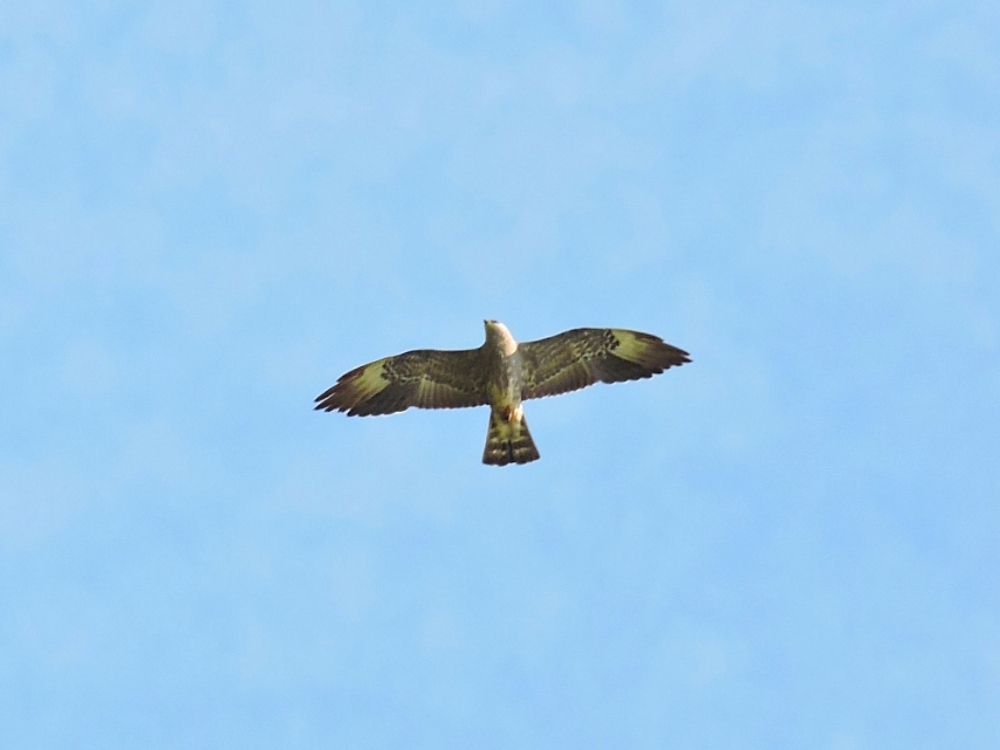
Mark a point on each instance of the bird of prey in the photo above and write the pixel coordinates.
(501, 374)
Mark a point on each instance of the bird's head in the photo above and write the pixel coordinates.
(498, 335)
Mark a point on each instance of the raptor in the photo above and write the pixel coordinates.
(502, 374)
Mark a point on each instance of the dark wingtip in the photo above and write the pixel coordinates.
(338, 396)
(673, 356)
(330, 400)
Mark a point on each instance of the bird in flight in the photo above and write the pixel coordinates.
(501, 374)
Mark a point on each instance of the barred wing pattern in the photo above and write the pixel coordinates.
(583, 356)
(426, 378)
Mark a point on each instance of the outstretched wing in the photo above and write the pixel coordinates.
(425, 378)
(581, 357)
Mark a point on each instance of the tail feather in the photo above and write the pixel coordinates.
(509, 442)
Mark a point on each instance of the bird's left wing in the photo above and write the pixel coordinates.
(425, 378)
(583, 356)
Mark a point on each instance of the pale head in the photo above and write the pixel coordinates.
(497, 335)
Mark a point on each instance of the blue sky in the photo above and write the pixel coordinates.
(209, 211)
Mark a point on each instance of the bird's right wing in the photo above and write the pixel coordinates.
(583, 356)
(425, 378)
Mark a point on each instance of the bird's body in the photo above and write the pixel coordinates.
(501, 373)
(507, 439)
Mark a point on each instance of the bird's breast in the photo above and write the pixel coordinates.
(504, 387)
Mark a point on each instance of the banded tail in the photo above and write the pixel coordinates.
(509, 441)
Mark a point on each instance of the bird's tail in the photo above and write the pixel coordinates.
(508, 441)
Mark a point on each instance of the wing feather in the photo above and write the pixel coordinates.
(425, 378)
(584, 356)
